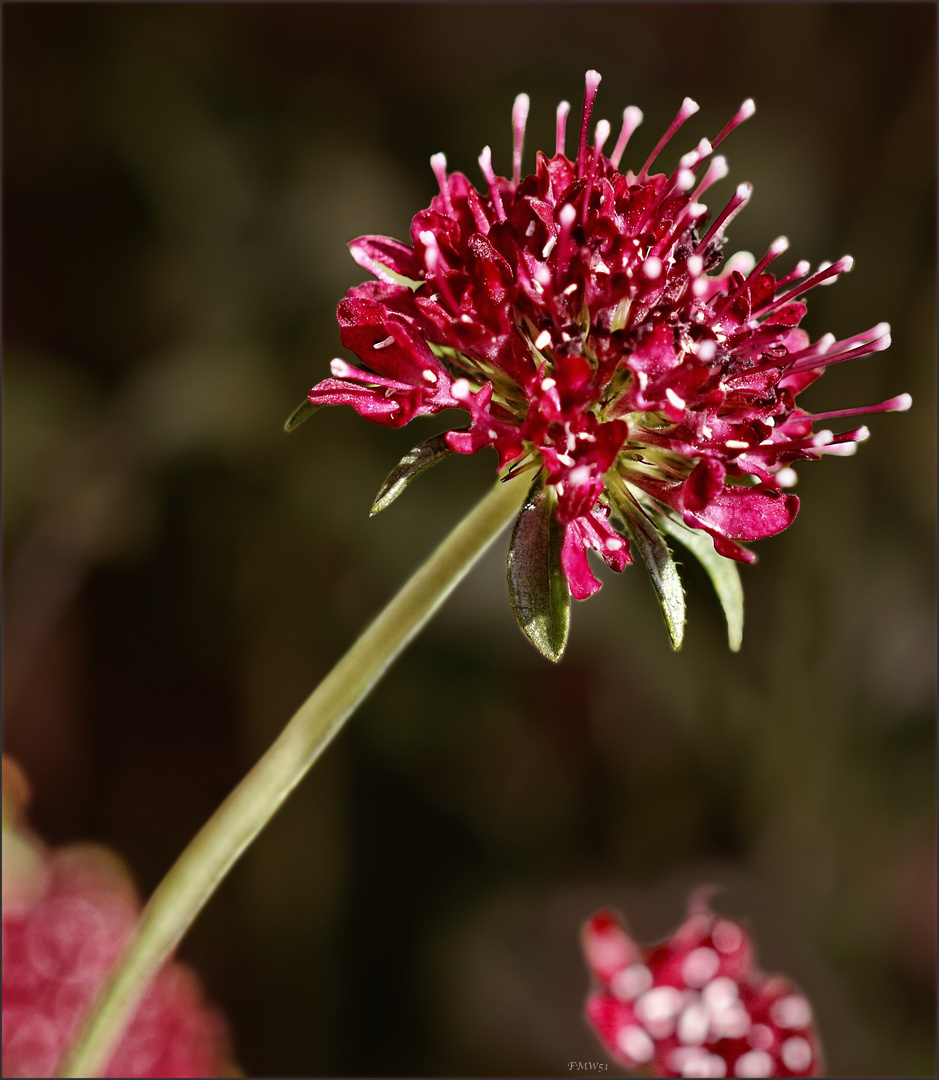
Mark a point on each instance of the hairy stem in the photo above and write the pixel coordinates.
(200, 869)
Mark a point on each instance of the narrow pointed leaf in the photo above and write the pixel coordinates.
(409, 468)
(302, 412)
(723, 573)
(662, 570)
(538, 586)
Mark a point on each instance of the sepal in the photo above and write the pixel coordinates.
(538, 589)
(302, 412)
(723, 572)
(409, 468)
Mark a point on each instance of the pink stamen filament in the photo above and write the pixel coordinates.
(632, 118)
(485, 164)
(563, 110)
(746, 110)
(590, 92)
(688, 108)
(741, 196)
(519, 119)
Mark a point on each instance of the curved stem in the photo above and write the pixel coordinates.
(203, 865)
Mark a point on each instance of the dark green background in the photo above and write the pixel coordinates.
(179, 185)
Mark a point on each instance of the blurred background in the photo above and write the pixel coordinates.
(180, 182)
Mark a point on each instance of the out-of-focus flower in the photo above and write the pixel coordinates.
(696, 1005)
(67, 913)
(580, 318)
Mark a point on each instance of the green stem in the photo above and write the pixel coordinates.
(200, 869)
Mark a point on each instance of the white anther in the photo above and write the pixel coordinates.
(466, 318)
(791, 1011)
(543, 339)
(461, 390)
(339, 368)
(754, 1063)
(543, 276)
(549, 247)
(566, 215)
(612, 544)
(742, 261)
(699, 287)
(727, 938)
(428, 376)
(684, 181)
(696, 209)
(635, 1044)
(601, 134)
(747, 109)
(530, 231)
(718, 169)
(675, 400)
(761, 1037)
(579, 476)
(693, 1025)
(898, 404)
(736, 444)
(632, 981)
(652, 268)
(688, 108)
(778, 246)
(796, 1054)
(548, 384)
(566, 459)
(492, 433)
(572, 288)
(657, 1009)
(695, 265)
(823, 437)
(384, 343)
(700, 966)
(720, 993)
(438, 162)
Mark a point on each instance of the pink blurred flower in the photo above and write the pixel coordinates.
(696, 1005)
(579, 318)
(67, 914)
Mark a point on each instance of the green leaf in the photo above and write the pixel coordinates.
(302, 412)
(723, 573)
(538, 589)
(409, 468)
(661, 566)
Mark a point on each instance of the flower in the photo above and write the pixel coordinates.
(581, 319)
(696, 1005)
(67, 914)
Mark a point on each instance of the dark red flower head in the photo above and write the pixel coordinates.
(582, 319)
(696, 1005)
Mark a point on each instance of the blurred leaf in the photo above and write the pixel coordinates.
(409, 468)
(538, 586)
(723, 573)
